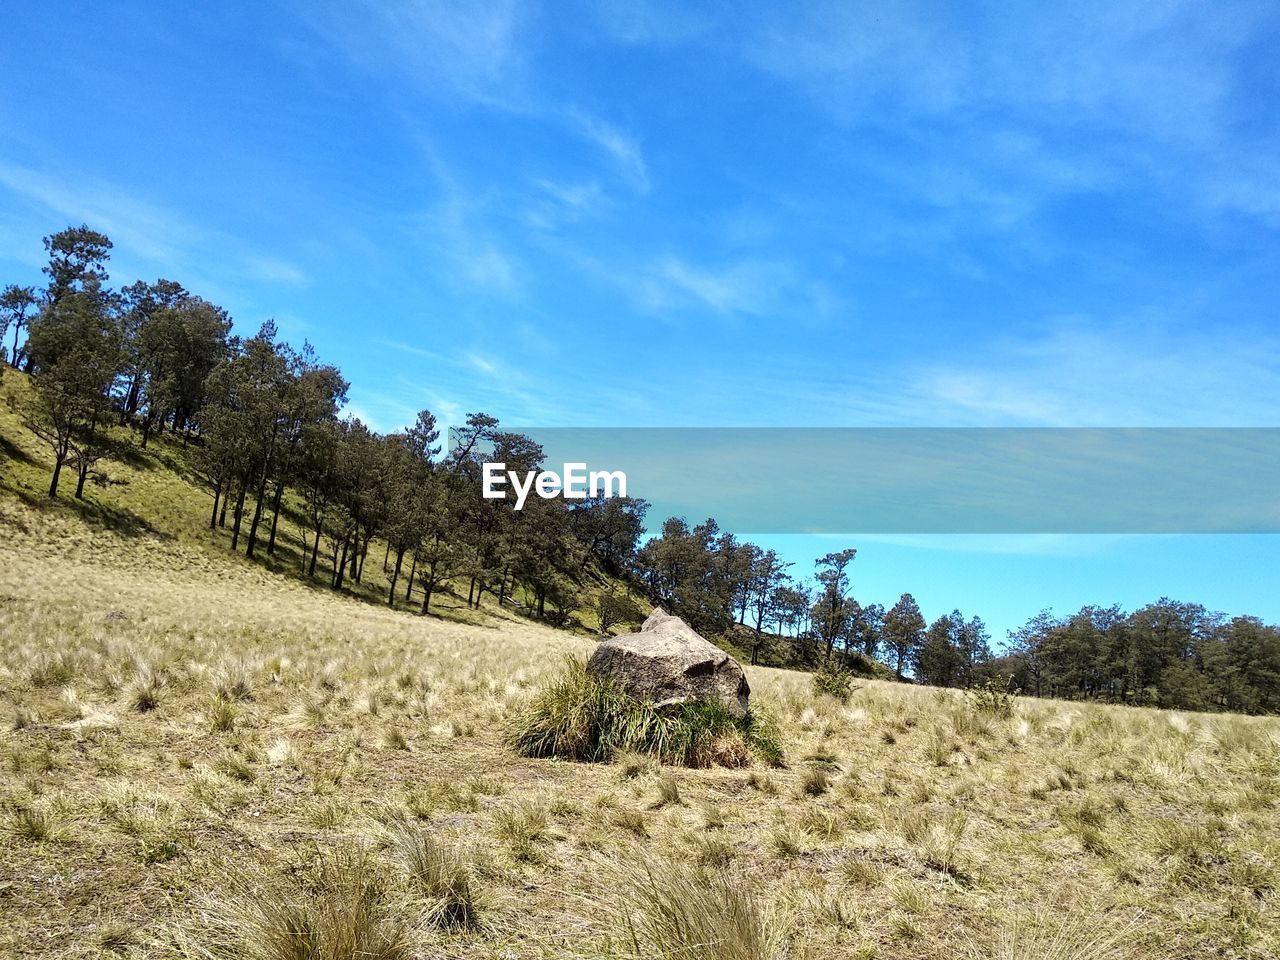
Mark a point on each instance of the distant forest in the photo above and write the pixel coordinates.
(263, 426)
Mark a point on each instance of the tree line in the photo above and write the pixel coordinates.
(266, 435)
(1167, 654)
(264, 426)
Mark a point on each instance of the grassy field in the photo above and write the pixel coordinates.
(200, 754)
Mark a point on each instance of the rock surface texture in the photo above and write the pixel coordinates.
(668, 663)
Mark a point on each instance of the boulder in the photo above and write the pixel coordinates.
(668, 663)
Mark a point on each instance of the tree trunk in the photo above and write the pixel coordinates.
(239, 516)
(364, 552)
(258, 497)
(131, 401)
(395, 575)
(275, 517)
(222, 518)
(333, 561)
(315, 550)
(57, 472)
(412, 570)
(341, 568)
(428, 587)
(83, 473)
(217, 495)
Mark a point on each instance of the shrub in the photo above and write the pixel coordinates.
(580, 717)
(833, 681)
(632, 821)
(713, 851)
(1084, 936)
(393, 738)
(53, 671)
(633, 765)
(994, 697)
(615, 608)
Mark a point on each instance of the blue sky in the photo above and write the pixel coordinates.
(636, 213)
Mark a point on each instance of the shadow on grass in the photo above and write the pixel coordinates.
(10, 451)
(118, 520)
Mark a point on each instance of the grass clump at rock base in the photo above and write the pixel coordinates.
(581, 717)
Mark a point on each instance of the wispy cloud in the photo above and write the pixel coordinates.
(142, 228)
(466, 382)
(459, 230)
(622, 148)
(1081, 372)
(746, 288)
(1162, 68)
(557, 204)
(1154, 93)
(649, 21)
(275, 270)
(444, 49)
(150, 240)
(481, 55)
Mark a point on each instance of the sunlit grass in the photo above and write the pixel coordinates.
(188, 739)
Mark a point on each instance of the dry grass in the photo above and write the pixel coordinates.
(189, 740)
(675, 913)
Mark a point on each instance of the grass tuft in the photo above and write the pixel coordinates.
(35, 824)
(441, 875)
(814, 782)
(935, 839)
(222, 715)
(143, 693)
(677, 914)
(343, 912)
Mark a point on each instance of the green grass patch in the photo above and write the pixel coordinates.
(581, 717)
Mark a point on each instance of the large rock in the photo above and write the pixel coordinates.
(671, 665)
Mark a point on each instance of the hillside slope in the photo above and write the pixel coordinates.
(182, 726)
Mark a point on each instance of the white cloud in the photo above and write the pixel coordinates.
(275, 270)
(648, 21)
(149, 240)
(1080, 372)
(621, 147)
(1151, 95)
(1161, 67)
(144, 229)
(759, 288)
(470, 50)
